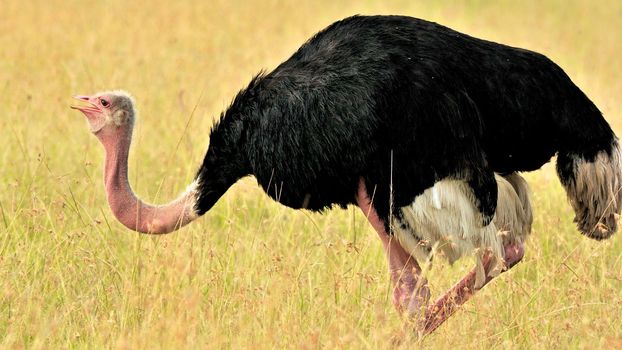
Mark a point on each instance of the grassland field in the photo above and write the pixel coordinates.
(252, 273)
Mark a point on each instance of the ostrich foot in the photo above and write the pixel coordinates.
(411, 293)
(460, 293)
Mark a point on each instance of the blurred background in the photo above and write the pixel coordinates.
(252, 273)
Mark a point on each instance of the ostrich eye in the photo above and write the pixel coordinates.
(104, 103)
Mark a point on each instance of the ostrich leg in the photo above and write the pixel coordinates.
(460, 293)
(410, 293)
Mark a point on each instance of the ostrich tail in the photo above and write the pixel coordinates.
(594, 188)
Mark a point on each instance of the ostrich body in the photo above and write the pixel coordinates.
(422, 127)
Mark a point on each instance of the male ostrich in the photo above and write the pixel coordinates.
(422, 127)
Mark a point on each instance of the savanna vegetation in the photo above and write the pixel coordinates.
(252, 273)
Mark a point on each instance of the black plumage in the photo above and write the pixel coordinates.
(402, 103)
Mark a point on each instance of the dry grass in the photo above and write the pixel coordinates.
(252, 273)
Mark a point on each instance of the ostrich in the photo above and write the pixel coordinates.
(422, 127)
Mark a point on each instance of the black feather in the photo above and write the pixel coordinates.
(402, 103)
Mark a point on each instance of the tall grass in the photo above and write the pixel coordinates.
(252, 272)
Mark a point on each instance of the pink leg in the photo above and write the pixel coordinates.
(411, 291)
(446, 305)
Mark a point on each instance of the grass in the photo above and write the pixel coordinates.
(252, 273)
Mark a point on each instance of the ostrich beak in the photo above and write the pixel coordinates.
(85, 99)
(84, 109)
(92, 112)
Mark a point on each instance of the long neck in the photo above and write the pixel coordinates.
(130, 210)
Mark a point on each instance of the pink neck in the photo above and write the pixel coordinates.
(130, 210)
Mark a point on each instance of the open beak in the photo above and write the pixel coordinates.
(86, 109)
(92, 112)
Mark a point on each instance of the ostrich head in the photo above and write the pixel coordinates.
(111, 118)
(110, 114)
